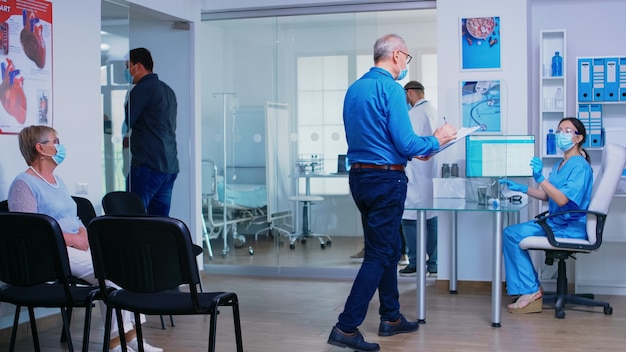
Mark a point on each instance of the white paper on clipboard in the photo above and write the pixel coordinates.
(460, 135)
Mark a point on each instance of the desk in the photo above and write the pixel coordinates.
(455, 206)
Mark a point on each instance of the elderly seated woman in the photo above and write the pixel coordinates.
(40, 190)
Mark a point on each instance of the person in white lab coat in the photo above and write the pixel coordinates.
(420, 174)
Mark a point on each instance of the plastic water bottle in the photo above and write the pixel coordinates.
(551, 143)
(558, 99)
(557, 65)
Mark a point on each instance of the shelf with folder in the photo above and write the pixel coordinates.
(601, 98)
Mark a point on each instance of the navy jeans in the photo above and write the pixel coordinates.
(379, 195)
(409, 228)
(154, 188)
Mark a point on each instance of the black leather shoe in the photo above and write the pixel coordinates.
(400, 326)
(352, 341)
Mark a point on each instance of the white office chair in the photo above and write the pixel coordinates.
(306, 223)
(604, 186)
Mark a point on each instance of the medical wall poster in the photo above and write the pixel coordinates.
(480, 43)
(25, 64)
(480, 105)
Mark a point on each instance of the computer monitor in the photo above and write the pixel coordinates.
(342, 164)
(498, 155)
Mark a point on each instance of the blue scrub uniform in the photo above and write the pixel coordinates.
(575, 180)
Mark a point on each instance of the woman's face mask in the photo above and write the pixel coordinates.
(564, 141)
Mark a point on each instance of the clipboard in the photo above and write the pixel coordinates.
(460, 135)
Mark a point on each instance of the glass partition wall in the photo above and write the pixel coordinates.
(114, 87)
(273, 134)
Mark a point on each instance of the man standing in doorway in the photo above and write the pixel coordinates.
(151, 115)
(420, 174)
(380, 141)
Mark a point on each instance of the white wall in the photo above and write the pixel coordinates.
(475, 246)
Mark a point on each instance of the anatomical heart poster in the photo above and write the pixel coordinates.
(25, 64)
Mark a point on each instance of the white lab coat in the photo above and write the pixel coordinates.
(420, 173)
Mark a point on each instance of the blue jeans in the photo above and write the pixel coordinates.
(154, 188)
(409, 228)
(379, 195)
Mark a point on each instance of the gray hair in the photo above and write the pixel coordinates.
(386, 45)
(29, 137)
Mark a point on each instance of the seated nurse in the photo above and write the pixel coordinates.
(568, 187)
(40, 190)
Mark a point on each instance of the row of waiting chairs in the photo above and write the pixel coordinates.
(145, 255)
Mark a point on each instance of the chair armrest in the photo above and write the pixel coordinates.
(541, 215)
(600, 220)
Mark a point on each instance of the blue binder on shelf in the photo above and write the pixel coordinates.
(611, 79)
(598, 79)
(622, 79)
(595, 125)
(583, 116)
(584, 80)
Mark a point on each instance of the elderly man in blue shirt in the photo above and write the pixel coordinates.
(380, 142)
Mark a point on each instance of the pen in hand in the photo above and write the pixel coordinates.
(444, 120)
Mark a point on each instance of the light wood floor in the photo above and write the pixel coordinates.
(294, 315)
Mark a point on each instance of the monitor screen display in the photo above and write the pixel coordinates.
(499, 156)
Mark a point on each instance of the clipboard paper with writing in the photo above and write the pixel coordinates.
(460, 135)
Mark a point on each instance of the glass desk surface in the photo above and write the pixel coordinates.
(461, 204)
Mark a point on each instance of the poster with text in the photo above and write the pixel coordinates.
(480, 105)
(25, 64)
(480, 43)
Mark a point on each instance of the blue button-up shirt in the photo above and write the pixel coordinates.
(377, 124)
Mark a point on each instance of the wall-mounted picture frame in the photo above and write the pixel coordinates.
(481, 105)
(480, 43)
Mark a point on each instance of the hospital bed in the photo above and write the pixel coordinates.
(225, 206)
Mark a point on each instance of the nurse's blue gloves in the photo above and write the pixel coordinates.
(514, 186)
(537, 166)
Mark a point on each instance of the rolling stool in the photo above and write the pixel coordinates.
(306, 223)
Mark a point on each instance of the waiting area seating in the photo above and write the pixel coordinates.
(147, 256)
(36, 271)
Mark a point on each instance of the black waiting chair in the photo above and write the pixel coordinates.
(36, 271)
(128, 203)
(125, 203)
(146, 256)
(86, 213)
(84, 210)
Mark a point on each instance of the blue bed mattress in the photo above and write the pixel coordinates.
(247, 195)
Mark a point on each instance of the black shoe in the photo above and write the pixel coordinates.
(408, 271)
(353, 341)
(399, 326)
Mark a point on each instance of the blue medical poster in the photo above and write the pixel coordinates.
(480, 43)
(480, 105)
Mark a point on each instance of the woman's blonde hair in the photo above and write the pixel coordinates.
(28, 139)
